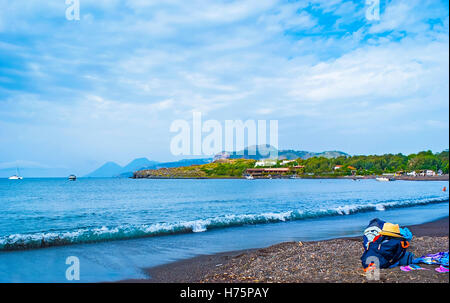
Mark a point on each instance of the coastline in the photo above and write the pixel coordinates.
(397, 178)
(302, 262)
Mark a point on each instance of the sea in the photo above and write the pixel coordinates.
(116, 227)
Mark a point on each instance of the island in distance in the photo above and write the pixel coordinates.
(112, 169)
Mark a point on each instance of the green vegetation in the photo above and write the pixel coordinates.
(368, 165)
(219, 169)
(228, 168)
(317, 166)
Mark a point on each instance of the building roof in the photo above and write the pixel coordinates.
(279, 169)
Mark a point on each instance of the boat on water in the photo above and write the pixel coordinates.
(249, 177)
(295, 177)
(17, 176)
(72, 178)
(385, 179)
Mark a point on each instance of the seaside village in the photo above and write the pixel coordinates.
(282, 168)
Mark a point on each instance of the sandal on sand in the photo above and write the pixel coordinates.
(417, 267)
(406, 268)
(412, 267)
(442, 269)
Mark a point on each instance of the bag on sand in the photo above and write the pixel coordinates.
(385, 245)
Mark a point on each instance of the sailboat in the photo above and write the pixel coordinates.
(16, 176)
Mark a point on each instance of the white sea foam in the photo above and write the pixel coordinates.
(105, 233)
(380, 207)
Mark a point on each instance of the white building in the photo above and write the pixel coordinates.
(286, 162)
(430, 172)
(266, 162)
(427, 172)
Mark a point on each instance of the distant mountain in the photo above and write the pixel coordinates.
(112, 169)
(332, 154)
(109, 169)
(255, 152)
(137, 164)
(293, 154)
(258, 152)
(185, 162)
(180, 163)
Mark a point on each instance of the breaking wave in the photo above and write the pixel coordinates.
(100, 234)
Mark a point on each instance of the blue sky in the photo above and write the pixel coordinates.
(75, 94)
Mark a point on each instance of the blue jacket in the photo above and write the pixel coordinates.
(387, 251)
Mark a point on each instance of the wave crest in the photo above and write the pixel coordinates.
(100, 234)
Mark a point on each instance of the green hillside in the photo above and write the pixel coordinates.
(319, 166)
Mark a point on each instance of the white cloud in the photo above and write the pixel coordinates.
(410, 16)
(128, 68)
(389, 71)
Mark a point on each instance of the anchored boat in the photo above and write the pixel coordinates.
(385, 179)
(16, 176)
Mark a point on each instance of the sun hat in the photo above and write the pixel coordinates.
(392, 230)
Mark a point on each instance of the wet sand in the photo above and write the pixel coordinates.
(336, 260)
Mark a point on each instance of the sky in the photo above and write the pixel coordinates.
(107, 87)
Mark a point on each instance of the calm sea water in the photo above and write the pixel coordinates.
(118, 226)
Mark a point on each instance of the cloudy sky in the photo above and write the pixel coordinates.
(77, 93)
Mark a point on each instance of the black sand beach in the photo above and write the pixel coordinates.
(336, 260)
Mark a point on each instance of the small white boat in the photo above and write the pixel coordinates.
(385, 179)
(249, 177)
(295, 177)
(72, 178)
(16, 176)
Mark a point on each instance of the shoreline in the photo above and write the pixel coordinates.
(397, 178)
(220, 267)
